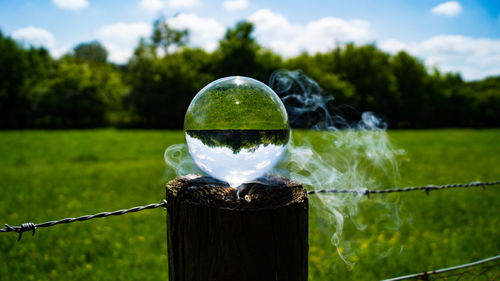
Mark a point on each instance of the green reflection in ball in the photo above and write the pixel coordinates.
(236, 102)
(236, 129)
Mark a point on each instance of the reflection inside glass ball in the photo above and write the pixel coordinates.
(236, 129)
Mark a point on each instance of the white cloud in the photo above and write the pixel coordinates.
(118, 53)
(34, 36)
(203, 32)
(183, 3)
(449, 9)
(235, 5)
(71, 4)
(38, 37)
(393, 46)
(275, 31)
(475, 58)
(121, 38)
(124, 31)
(152, 6)
(59, 51)
(155, 6)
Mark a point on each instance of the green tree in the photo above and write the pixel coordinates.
(239, 54)
(238, 51)
(485, 96)
(165, 37)
(415, 107)
(342, 91)
(452, 106)
(91, 51)
(162, 88)
(73, 100)
(23, 78)
(369, 71)
(361, 76)
(14, 104)
(81, 94)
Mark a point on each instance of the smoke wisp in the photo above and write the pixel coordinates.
(343, 154)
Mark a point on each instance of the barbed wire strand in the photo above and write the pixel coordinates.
(443, 270)
(30, 226)
(427, 188)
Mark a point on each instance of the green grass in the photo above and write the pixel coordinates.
(51, 175)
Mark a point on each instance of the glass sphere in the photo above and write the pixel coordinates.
(236, 129)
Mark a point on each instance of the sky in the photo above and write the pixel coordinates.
(457, 36)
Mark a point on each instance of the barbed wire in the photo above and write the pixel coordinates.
(438, 274)
(30, 226)
(427, 188)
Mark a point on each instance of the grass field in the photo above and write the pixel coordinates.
(51, 175)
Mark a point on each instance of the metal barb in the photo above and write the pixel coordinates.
(367, 193)
(21, 229)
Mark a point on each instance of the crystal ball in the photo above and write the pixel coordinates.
(236, 129)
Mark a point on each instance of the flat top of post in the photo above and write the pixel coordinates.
(269, 193)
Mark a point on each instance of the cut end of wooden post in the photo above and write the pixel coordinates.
(272, 192)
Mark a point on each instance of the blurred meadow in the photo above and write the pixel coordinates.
(56, 174)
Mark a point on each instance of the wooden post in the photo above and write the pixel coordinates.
(214, 235)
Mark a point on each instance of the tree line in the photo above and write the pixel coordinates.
(153, 89)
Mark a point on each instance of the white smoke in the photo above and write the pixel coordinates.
(179, 161)
(344, 154)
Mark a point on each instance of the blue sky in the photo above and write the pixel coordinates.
(460, 36)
